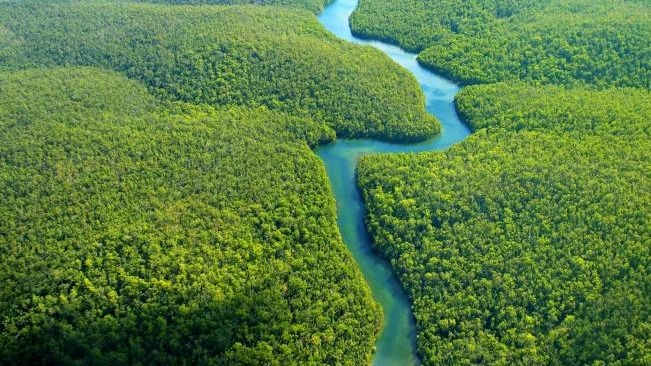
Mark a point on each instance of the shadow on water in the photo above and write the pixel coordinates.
(397, 342)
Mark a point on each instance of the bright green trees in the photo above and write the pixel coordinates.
(312, 5)
(529, 242)
(139, 232)
(278, 58)
(552, 42)
(178, 215)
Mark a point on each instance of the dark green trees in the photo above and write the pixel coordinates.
(312, 5)
(161, 204)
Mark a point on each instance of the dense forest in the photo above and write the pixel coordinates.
(597, 42)
(579, 111)
(313, 5)
(160, 201)
(528, 243)
(134, 232)
(225, 55)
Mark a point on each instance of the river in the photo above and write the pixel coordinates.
(396, 344)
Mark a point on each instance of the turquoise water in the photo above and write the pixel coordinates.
(397, 342)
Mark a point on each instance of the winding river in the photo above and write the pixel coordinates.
(397, 342)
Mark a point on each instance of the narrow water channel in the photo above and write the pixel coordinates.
(397, 342)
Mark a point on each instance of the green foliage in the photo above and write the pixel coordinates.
(528, 243)
(515, 106)
(313, 5)
(138, 232)
(226, 55)
(600, 42)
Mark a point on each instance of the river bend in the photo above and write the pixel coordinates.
(396, 344)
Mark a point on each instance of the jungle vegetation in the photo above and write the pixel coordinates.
(161, 205)
(160, 201)
(141, 232)
(530, 242)
(617, 112)
(313, 5)
(597, 42)
(225, 55)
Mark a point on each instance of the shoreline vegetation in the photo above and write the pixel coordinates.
(525, 243)
(141, 231)
(161, 201)
(279, 58)
(528, 243)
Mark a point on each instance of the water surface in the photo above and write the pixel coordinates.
(397, 342)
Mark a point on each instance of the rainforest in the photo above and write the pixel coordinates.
(240, 182)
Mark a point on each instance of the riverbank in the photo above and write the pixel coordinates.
(396, 344)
